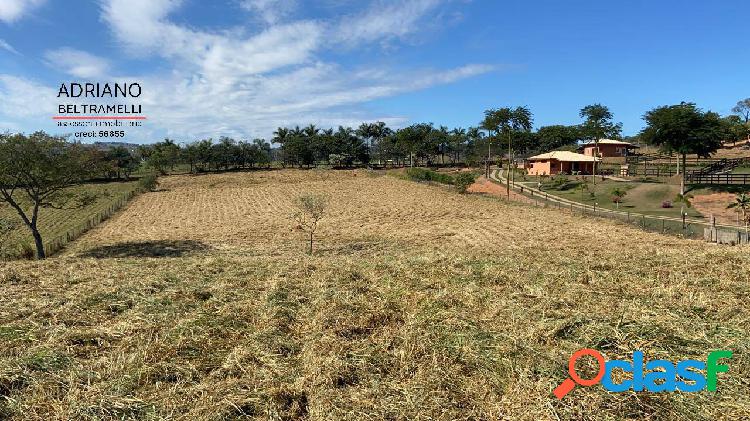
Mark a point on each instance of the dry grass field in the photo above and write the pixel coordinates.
(54, 223)
(198, 302)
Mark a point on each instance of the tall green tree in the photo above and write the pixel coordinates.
(161, 156)
(684, 129)
(121, 162)
(509, 123)
(557, 136)
(263, 151)
(36, 172)
(378, 132)
(598, 124)
(737, 129)
(457, 143)
(491, 123)
(742, 109)
(474, 145)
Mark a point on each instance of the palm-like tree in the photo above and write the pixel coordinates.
(521, 120)
(378, 132)
(311, 131)
(280, 135)
(741, 204)
(458, 138)
(490, 123)
(508, 122)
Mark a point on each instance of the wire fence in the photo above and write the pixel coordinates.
(685, 228)
(56, 244)
(690, 229)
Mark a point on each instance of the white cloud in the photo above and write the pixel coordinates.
(324, 94)
(7, 47)
(12, 10)
(77, 63)
(141, 25)
(242, 84)
(270, 11)
(24, 98)
(384, 20)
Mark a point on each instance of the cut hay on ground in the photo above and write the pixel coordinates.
(198, 302)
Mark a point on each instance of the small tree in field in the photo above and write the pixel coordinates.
(463, 180)
(618, 195)
(684, 201)
(742, 204)
(36, 172)
(310, 210)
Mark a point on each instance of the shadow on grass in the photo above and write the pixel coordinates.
(164, 248)
(720, 188)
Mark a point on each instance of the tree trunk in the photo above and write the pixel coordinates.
(593, 166)
(509, 175)
(682, 214)
(311, 242)
(40, 254)
(682, 179)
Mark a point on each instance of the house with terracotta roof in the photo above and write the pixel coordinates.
(557, 162)
(608, 148)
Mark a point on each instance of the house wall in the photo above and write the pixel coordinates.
(540, 168)
(607, 150)
(555, 167)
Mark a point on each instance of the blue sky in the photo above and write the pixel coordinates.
(243, 67)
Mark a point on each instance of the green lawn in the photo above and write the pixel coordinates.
(741, 170)
(54, 223)
(646, 198)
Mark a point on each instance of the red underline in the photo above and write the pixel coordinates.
(57, 117)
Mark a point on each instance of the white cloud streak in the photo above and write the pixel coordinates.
(384, 20)
(7, 47)
(270, 11)
(12, 10)
(77, 63)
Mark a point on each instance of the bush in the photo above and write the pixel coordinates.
(618, 195)
(463, 180)
(560, 182)
(422, 174)
(148, 182)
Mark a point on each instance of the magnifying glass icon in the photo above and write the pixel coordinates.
(570, 383)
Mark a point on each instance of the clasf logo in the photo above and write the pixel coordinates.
(668, 378)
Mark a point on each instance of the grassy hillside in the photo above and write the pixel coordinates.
(646, 198)
(198, 302)
(55, 223)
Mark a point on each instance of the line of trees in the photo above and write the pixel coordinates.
(503, 132)
(205, 155)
